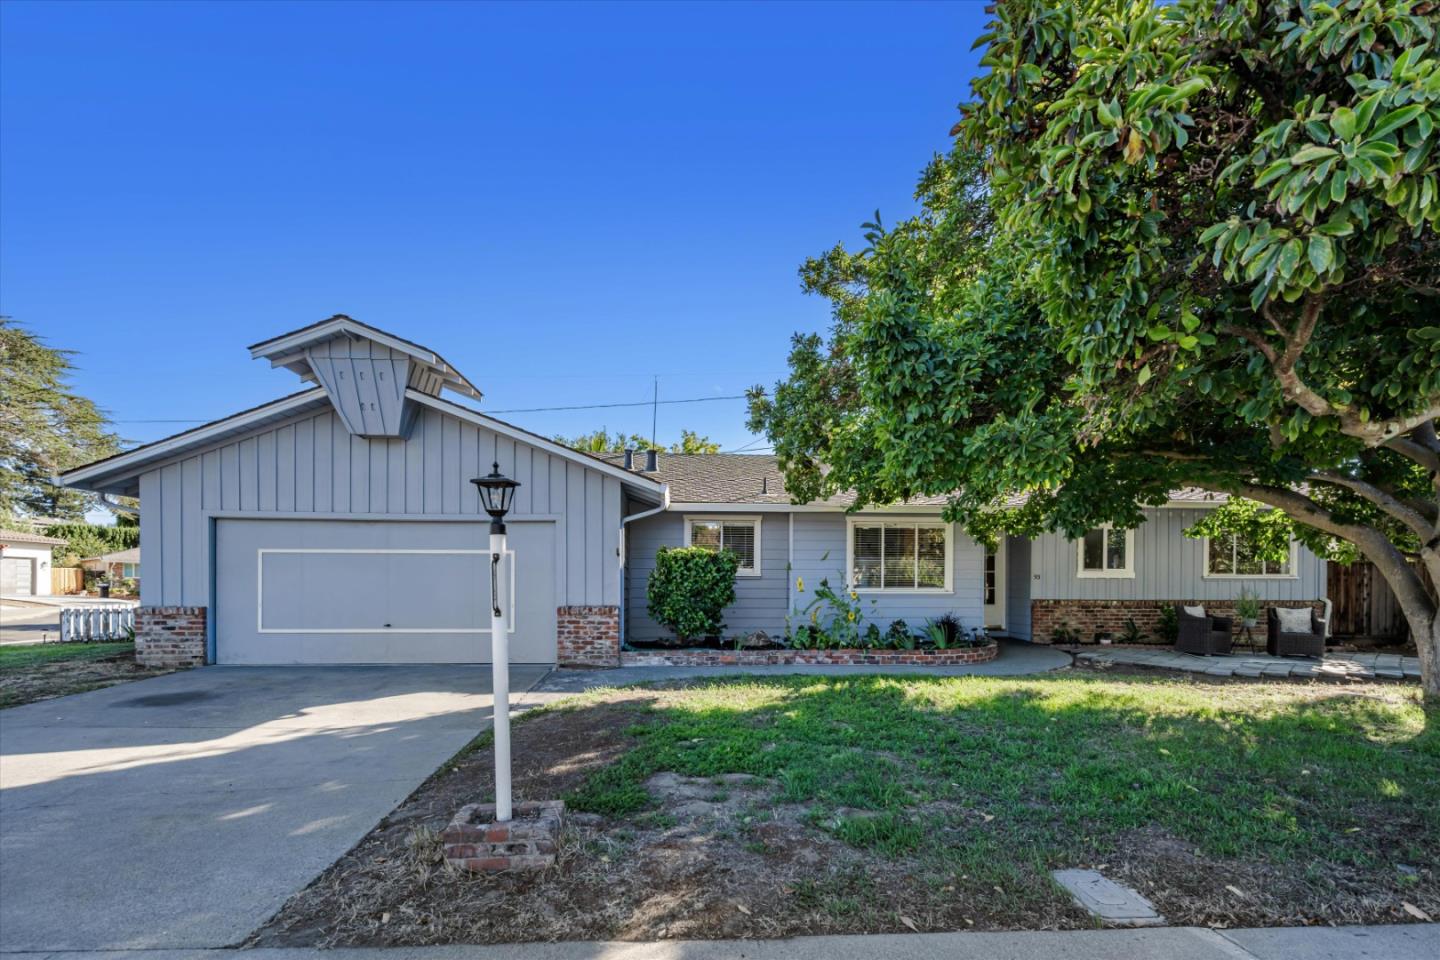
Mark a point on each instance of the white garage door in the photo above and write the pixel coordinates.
(17, 576)
(343, 591)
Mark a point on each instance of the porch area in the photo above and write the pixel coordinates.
(1334, 666)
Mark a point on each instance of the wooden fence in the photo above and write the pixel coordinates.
(66, 580)
(87, 624)
(1364, 605)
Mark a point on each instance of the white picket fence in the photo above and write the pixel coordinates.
(86, 624)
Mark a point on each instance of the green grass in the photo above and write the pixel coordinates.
(21, 656)
(1061, 766)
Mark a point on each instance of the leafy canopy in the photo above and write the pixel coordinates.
(45, 428)
(1174, 244)
(602, 441)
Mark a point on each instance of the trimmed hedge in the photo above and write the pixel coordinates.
(90, 540)
(689, 588)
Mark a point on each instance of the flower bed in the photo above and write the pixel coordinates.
(951, 657)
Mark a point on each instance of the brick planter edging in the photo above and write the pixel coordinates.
(170, 636)
(528, 841)
(587, 636)
(830, 658)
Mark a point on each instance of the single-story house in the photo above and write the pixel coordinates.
(338, 525)
(118, 565)
(906, 563)
(25, 563)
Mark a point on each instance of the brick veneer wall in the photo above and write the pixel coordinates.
(1088, 617)
(170, 636)
(587, 636)
(844, 657)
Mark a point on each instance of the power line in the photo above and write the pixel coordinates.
(578, 406)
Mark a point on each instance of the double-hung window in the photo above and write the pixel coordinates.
(739, 535)
(1234, 556)
(1105, 552)
(910, 555)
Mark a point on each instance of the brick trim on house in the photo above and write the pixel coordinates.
(770, 658)
(1089, 617)
(587, 636)
(170, 636)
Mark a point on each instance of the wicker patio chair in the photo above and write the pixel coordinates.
(1202, 635)
(1284, 643)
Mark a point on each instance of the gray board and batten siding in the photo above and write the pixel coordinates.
(310, 466)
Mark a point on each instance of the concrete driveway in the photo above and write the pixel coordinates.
(182, 811)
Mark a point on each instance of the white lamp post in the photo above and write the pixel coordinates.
(497, 492)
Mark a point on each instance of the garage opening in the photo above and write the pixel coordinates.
(345, 591)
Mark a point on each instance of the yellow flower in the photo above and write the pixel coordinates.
(850, 616)
(800, 584)
(854, 595)
(814, 616)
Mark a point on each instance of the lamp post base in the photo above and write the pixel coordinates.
(477, 842)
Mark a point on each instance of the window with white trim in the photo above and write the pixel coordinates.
(899, 555)
(739, 535)
(1234, 556)
(1104, 552)
(130, 570)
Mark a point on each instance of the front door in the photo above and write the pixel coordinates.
(995, 586)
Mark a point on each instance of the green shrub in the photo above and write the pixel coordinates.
(898, 636)
(1169, 628)
(689, 589)
(89, 540)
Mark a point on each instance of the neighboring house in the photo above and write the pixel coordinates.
(906, 563)
(339, 525)
(25, 563)
(122, 564)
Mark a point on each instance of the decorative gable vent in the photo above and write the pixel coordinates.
(365, 372)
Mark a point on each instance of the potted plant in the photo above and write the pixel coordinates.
(1247, 608)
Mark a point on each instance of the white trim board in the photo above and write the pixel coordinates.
(861, 521)
(1294, 573)
(260, 553)
(754, 521)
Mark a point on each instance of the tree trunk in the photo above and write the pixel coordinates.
(1422, 614)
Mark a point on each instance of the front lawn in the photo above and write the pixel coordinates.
(790, 805)
(39, 671)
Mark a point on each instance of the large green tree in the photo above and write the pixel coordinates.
(1187, 243)
(45, 427)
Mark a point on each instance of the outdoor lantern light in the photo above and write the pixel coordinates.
(497, 492)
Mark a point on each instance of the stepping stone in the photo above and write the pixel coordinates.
(1108, 900)
(1390, 673)
(1219, 671)
(1251, 670)
(1278, 670)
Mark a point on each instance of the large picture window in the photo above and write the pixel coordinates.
(1104, 552)
(899, 555)
(739, 535)
(1234, 556)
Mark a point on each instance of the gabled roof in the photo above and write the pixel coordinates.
(117, 473)
(19, 536)
(289, 350)
(119, 556)
(754, 479)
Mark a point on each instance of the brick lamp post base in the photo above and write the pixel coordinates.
(474, 841)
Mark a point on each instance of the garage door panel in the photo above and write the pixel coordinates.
(333, 591)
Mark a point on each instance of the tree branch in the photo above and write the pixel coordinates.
(1387, 502)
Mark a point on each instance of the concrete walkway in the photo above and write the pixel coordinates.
(1016, 659)
(1404, 942)
(1335, 666)
(182, 811)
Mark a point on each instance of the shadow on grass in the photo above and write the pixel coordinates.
(1058, 768)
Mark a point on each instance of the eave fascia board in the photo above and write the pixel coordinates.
(645, 484)
(123, 465)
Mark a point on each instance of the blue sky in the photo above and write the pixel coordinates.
(563, 200)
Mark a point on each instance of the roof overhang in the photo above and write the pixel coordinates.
(648, 488)
(120, 474)
(290, 350)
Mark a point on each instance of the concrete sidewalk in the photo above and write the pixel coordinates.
(1401, 942)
